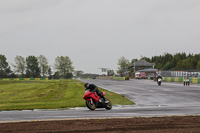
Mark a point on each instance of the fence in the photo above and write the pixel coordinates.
(194, 74)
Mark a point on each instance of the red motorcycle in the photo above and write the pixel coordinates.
(93, 101)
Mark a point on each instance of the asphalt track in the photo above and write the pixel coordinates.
(170, 99)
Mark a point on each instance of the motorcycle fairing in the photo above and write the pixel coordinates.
(88, 95)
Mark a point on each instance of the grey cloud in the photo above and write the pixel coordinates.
(96, 33)
(18, 6)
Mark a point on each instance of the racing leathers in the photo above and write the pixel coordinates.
(94, 88)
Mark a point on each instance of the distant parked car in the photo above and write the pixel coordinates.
(140, 75)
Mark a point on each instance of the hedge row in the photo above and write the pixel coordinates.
(111, 78)
(23, 78)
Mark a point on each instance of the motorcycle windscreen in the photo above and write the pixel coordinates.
(87, 93)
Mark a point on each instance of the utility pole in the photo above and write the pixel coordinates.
(134, 66)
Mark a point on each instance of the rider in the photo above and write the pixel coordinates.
(94, 88)
(159, 76)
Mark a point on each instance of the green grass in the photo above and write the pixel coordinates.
(50, 94)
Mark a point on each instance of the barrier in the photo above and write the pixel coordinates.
(105, 77)
(118, 78)
(194, 80)
(111, 78)
(181, 79)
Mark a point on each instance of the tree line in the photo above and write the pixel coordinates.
(179, 61)
(167, 61)
(36, 67)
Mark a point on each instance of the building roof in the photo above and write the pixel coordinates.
(148, 70)
(143, 63)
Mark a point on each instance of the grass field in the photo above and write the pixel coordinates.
(50, 94)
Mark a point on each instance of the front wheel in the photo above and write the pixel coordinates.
(108, 105)
(90, 104)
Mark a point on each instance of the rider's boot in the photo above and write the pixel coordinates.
(105, 101)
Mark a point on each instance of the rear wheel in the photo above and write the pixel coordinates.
(90, 104)
(108, 105)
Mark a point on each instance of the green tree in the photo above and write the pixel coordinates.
(134, 60)
(63, 64)
(179, 61)
(32, 67)
(20, 65)
(79, 73)
(198, 66)
(68, 76)
(43, 65)
(177, 64)
(167, 66)
(56, 75)
(4, 67)
(166, 59)
(146, 59)
(186, 64)
(123, 64)
(50, 73)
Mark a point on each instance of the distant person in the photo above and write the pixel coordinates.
(186, 81)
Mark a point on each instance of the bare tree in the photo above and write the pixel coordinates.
(20, 65)
(43, 65)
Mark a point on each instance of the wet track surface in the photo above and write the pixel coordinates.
(170, 99)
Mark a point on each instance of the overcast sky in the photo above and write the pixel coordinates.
(96, 33)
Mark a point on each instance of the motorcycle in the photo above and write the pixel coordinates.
(159, 81)
(93, 101)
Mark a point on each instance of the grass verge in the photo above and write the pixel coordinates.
(51, 94)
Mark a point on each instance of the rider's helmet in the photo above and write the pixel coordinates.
(86, 85)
